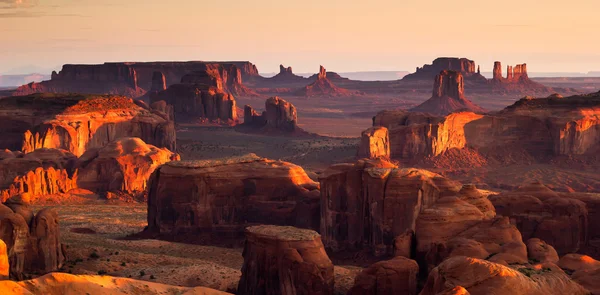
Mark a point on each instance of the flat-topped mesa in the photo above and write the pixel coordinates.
(285, 260)
(133, 79)
(201, 97)
(462, 65)
(279, 116)
(77, 122)
(448, 96)
(497, 75)
(224, 196)
(159, 82)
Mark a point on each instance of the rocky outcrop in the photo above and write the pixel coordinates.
(200, 96)
(285, 260)
(279, 116)
(541, 128)
(78, 122)
(395, 276)
(4, 266)
(224, 196)
(448, 96)
(124, 165)
(33, 243)
(368, 203)
(323, 86)
(497, 74)
(483, 277)
(374, 143)
(159, 83)
(39, 173)
(538, 250)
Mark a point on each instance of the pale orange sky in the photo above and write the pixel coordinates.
(549, 35)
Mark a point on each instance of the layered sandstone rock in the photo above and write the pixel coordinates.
(33, 245)
(558, 221)
(68, 284)
(77, 122)
(497, 74)
(462, 65)
(159, 82)
(542, 128)
(200, 96)
(374, 143)
(538, 250)
(448, 96)
(395, 276)
(125, 165)
(483, 277)
(220, 196)
(370, 202)
(285, 260)
(279, 116)
(39, 173)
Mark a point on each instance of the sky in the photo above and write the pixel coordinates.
(342, 35)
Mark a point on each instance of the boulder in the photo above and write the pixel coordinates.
(48, 252)
(285, 260)
(124, 165)
(225, 195)
(539, 251)
(395, 276)
(14, 231)
(374, 143)
(577, 262)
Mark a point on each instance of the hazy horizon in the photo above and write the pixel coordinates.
(343, 36)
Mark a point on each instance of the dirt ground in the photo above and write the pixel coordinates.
(95, 245)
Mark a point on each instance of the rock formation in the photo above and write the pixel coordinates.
(448, 96)
(132, 79)
(483, 277)
(462, 65)
(33, 246)
(497, 75)
(285, 260)
(77, 122)
(159, 83)
(370, 202)
(125, 165)
(200, 96)
(395, 276)
(542, 128)
(279, 116)
(4, 266)
(39, 173)
(223, 196)
(374, 143)
(323, 86)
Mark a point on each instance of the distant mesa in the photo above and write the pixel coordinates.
(462, 65)
(448, 96)
(323, 87)
(279, 117)
(134, 79)
(200, 97)
(286, 75)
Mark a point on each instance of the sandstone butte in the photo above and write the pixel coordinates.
(540, 127)
(323, 86)
(225, 195)
(448, 96)
(279, 117)
(200, 96)
(79, 122)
